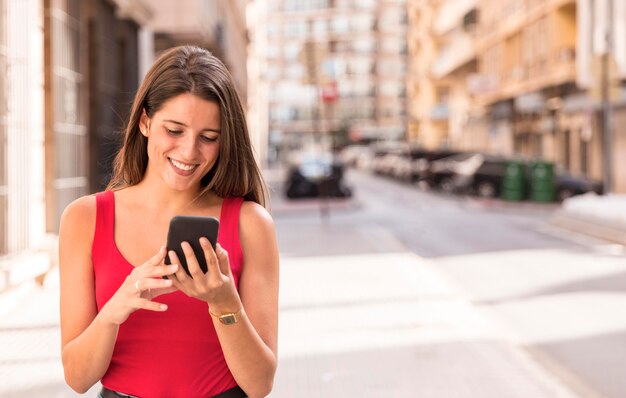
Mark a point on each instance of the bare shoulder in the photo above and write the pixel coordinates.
(256, 228)
(81, 209)
(253, 215)
(79, 216)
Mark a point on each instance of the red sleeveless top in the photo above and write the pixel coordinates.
(170, 354)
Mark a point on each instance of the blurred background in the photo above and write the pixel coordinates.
(447, 178)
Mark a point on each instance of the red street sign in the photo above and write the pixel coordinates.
(329, 92)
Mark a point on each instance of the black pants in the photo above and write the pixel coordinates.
(235, 392)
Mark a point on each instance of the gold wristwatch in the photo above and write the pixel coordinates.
(228, 318)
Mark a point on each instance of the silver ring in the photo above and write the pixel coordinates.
(137, 285)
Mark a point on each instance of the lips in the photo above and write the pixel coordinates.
(181, 168)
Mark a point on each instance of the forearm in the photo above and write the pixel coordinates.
(250, 360)
(87, 357)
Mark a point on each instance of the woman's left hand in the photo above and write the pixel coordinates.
(217, 286)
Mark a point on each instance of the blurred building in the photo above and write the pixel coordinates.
(526, 53)
(258, 87)
(218, 25)
(518, 77)
(335, 67)
(442, 112)
(68, 73)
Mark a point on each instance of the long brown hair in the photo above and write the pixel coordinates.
(190, 69)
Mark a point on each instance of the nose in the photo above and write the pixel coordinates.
(188, 147)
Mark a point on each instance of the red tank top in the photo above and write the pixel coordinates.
(171, 354)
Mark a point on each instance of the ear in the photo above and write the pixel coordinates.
(144, 123)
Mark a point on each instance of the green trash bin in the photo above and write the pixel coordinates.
(542, 182)
(513, 181)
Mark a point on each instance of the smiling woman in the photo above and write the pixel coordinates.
(148, 329)
(183, 140)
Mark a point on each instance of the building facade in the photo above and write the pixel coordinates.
(69, 68)
(335, 68)
(442, 48)
(217, 25)
(520, 77)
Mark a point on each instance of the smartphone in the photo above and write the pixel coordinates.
(190, 229)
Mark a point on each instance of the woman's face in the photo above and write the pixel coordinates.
(183, 141)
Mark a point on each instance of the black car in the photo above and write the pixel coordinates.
(442, 173)
(481, 175)
(430, 167)
(568, 185)
(316, 176)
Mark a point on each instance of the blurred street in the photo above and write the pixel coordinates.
(404, 293)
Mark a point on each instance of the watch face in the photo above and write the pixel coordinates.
(228, 319)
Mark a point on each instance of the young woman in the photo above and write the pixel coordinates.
(186, 151)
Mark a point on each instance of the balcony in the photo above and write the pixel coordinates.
(451, 15)
(460, 50)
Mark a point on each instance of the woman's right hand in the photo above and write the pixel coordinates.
(142, 285)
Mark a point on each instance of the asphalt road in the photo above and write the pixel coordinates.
(558, 294)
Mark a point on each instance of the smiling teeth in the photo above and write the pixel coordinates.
(182, 166)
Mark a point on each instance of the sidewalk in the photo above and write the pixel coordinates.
(382, 322)
(602, 217)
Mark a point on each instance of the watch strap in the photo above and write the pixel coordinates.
(228, 318)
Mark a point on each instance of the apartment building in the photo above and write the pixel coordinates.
(67, 68)
(218, 25)
(442, 111)
(354, 50)
(536, 56)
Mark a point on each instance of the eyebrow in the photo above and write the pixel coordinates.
(184, 125)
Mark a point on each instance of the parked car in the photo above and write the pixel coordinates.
(351, 154)
(480, 175)
(425, 170)
(568, 185)
(442, 172)
(387, 156)
(483, 176)
(315, 175)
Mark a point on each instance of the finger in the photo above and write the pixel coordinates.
(156, 259)
(162, 270)
(181, 275)
(151, 305)
(224, 260)
(165, 290)
(212, 263)
(176, 282)
(192, 261)
(154, 283)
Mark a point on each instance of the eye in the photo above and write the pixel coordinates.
(206, 138)
(173, 132)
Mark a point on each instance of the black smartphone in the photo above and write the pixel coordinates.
(190, 229)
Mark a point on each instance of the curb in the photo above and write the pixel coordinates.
(591, 226)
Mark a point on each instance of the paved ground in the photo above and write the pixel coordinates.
(387, 324)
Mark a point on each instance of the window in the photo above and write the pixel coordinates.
(320, 28)
(341, 24)
(71, 175)
(364, 46)
(292, 51)
(296, 29)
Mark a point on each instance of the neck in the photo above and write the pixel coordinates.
(165, 200)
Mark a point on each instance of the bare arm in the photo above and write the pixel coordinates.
(88, 337)
(87, 345)
(249, 345)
